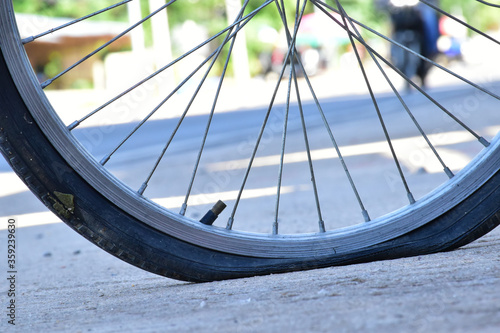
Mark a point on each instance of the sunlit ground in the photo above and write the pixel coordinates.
(11, 185)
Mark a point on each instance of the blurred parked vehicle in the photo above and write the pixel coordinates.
(319, 43)
(453, 35)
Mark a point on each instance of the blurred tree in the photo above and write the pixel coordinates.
(478, 15)
(70, 8)
(211, 14)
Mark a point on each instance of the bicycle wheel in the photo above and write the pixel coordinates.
(191, 161)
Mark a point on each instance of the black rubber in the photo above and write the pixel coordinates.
(65, 193)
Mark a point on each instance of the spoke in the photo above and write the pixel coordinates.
(179, 123)
(283, 143)
(32, 38)
(212, 111)
(123, 33)
(483, 141)
(230, 221)
(439, 10)
(446, 169)
(281, 11)
(295, 57)
(390, 40)
(488, 3)
(335, 144)
(243, 21)
(321, 223)
(105, 159)
(183, 116)
(375, 104)
(364, 212)
(287, 110)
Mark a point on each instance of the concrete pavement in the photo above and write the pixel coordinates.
(65, 284)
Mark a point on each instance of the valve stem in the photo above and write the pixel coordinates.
(213, 213)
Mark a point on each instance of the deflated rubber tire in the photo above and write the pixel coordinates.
(64, 192)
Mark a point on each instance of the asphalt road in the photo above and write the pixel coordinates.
(64, 283)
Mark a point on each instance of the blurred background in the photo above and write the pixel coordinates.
(322, 45)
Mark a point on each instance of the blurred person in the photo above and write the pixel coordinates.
(415, 26)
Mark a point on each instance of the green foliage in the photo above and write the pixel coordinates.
(54, 66)
(71, 8)
(364, 11)
(212, 15)
(212, 12)
(478, 15)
